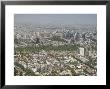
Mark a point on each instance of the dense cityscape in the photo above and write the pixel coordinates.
(55, 50)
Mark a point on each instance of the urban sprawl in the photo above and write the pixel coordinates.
(55, 50)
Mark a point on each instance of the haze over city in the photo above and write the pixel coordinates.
(55, 45)
(56, 18)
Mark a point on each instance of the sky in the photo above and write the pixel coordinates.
(56, 18)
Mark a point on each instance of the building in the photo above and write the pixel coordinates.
(81, 51)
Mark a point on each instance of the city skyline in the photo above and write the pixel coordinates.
(55, 49)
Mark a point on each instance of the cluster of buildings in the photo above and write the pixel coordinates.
(66, 61)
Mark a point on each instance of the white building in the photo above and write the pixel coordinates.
(81, 51)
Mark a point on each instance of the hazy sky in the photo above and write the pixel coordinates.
(56, 18)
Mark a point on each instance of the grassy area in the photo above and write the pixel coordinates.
(27, 71)
(47, 48)
(19, 65)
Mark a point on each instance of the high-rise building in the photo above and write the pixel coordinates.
(81, 51)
